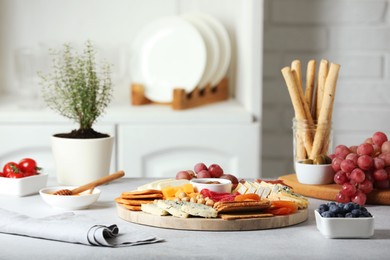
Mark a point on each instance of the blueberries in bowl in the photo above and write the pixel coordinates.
(343, 210)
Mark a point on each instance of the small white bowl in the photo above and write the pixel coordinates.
(75, 202)
(223, 185)
(23, 186)
(345, 227)
(317, 174)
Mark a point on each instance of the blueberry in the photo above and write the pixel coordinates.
(356, 213)
(334, 209)
(348, 207)
(366, 214)
(363, 209)
(327, 214)
(349, 215)
(323, 208)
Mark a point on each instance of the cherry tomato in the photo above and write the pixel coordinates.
(10, 167)
(28, 166)
(1, 174)
(15, 175)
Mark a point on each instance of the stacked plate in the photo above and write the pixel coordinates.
(188, 51)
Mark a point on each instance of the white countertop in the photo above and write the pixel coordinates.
(302, 241)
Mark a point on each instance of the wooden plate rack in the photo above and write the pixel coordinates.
(182, 100)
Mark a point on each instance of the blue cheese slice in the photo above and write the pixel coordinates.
(173, 207)
(154, 209)
(199, 210)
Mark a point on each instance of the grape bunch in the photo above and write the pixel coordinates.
(202, 171)
(360, 169)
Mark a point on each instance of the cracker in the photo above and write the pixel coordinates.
(245, 216)
(234, 206)
(142, 196)
(131, 207)
(133, 202)
(141, 192)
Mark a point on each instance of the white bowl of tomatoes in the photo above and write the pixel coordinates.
(22, 178)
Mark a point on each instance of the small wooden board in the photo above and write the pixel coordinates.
(329, 192)
(217, 224)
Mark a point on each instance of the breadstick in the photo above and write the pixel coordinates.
(322, 74)
(310, 78)
(297, 71)
(298, 102)
(326, 109)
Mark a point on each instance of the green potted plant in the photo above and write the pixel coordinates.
(78, 89)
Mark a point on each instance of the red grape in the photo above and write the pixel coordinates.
(215, 171)
(369, 176)
(379, 138)
(381, 184)
(380, 175)
(348, 189)
(203, 174)
(183, 175)
(353, 148)
(191, 173)
(369, 140)
(340, 177)
(199, 167)
(232, 178)
(342, 198)
(388, 171)
(353, 157)
(386, 158)
(332, 156)
(385, 147)
(359, 198)
(366, 186)
(379, 163)
(347, 165)
(357, 175)
(341, 151)
(336, 164)
(365, 149)
(377, 150)
(365, 162)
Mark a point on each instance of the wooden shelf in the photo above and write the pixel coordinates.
(181, 99)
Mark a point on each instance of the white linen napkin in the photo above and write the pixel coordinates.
(72, 228)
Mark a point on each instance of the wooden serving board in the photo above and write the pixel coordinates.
(329, 192)
(210, 224)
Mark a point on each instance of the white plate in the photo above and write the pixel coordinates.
(168, 53)
(212, 48)
(224, 45)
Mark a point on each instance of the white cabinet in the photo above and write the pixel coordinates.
(163, 150)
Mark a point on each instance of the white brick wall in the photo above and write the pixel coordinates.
(353, 33)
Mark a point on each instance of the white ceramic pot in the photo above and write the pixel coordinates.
(79, 161)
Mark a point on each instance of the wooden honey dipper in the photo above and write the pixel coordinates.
(91, 185)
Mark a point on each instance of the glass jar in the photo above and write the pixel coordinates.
(311, 139)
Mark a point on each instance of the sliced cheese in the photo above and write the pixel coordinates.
(173, 183)
(200, 210)
(241, 188)
(173, 207)
(153, 185)
(153, 209)
(160, 184)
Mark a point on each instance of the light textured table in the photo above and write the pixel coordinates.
(295, 242)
